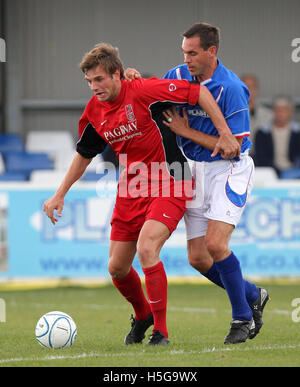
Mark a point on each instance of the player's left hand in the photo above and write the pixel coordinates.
(131, 74)
(173, 120)
(227, 146)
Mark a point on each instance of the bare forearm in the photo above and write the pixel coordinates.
(208, 103)
(205, 140)
(75, 171)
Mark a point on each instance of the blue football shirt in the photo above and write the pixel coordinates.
(232, 96)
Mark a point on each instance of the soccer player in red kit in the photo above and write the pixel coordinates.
(126, 115)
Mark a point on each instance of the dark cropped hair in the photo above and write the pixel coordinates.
(209, 35)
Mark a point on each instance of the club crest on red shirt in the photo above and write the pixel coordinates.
(129, 113)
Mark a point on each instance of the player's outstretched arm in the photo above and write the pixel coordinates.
(180, 125)
(227, 143)
(76, 170)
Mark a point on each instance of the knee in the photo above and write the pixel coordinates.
(116, 270)
(146, 253)
(216, 247)
(201, 263)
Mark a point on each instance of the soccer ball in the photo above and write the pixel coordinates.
(56, 330)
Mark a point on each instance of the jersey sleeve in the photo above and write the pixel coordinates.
(166, 90)
(90, 143)
(179, 72)
(236, 111)
(171, 74)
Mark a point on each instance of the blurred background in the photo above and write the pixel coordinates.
(43, 88)
(43, 94)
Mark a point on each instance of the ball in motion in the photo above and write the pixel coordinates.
(56, 330)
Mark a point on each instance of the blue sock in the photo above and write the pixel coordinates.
(251, 292)
(232, 279)
(214, 276)
(250, 289)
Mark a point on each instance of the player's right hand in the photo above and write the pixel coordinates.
(131, 74)
(227, 146)
(52, 204)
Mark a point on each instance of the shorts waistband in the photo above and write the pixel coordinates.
(242, 155)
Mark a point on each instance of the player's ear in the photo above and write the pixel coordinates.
(212, 50)
(116, 76)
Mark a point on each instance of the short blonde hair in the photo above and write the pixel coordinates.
(105, 55)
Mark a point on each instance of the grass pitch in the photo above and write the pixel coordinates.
(198, 320)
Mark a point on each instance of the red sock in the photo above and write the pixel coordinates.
(156, 286)
(131, 288)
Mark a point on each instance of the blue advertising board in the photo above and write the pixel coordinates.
(267, 240)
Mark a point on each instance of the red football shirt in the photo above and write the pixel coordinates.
(128, 126)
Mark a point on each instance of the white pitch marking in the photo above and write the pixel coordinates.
(172, 352)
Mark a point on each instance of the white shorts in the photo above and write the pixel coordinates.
(221, 191)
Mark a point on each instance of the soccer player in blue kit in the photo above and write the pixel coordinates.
(222, 186)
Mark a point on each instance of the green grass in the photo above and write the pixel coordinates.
(198, 320)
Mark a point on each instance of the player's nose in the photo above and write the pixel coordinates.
(186, 59)
(94, 87)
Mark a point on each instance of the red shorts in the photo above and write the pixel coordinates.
(130, 215)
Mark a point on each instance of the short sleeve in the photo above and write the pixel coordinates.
(171, 74)
(171, 90)
(236, 110)
(90, 143)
